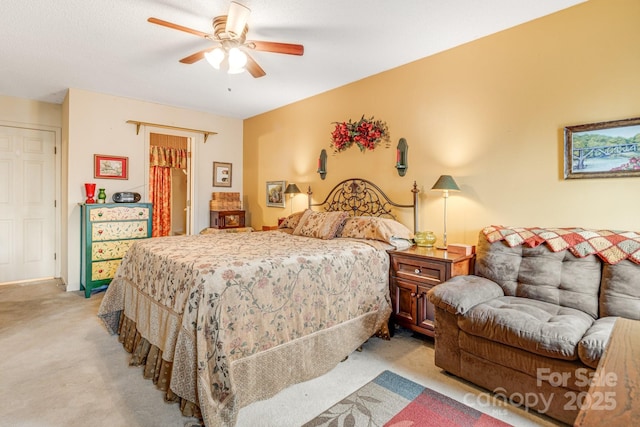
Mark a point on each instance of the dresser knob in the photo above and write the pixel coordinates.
(140, 229)
(413, 294)
(418, 271)
(99, 251)
(140, 214)
(100, 214)
(99, 231)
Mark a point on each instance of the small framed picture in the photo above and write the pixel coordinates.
(602, 150)
(275, 194)
(110, 167)
(221, 174)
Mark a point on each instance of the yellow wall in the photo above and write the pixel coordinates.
(491, 113)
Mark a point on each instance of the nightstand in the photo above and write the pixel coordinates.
(413, 272)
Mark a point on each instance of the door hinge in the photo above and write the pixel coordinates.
(55, 203)
(55, 256)
(55, 150)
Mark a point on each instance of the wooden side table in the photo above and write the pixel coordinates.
(413, 272)
(226, 219)
(613, 397)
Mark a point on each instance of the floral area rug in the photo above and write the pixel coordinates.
(394, 401)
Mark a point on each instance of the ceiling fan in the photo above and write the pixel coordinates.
(230, 50)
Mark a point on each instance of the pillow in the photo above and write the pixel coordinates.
(291, 221)
(322, 225)
(375, 228)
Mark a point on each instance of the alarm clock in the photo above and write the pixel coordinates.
(126, 197)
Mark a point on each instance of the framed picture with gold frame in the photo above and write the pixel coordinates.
(275, 193)
(602, 150)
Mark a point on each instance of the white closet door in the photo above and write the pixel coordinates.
(27, 197)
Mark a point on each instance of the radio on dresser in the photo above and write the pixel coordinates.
(126, 197)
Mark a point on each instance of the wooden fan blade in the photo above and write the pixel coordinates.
(286, 48)
(196, 56)
(253, 68)
(178, 27)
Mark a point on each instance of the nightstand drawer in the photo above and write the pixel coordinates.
(420, 270)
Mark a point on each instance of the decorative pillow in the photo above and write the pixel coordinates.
(291, 221)
(375, 228)
(322, 225)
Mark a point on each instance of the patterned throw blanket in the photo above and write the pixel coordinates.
(611, 246)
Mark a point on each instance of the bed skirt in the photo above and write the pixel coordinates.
(261, 375)
(154, 367)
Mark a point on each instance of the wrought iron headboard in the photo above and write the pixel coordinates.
(360, 197)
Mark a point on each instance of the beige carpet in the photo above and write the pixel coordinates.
(60, 368)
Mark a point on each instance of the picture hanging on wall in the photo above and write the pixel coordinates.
(275, 193)
(110, 167)
(221, 174)
(602, 150)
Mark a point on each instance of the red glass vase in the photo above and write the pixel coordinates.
(91, 192)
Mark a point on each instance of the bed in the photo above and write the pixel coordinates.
(222, 320)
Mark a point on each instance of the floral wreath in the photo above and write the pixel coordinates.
(366, 133)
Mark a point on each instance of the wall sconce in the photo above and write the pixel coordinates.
(402, 158)
(445, 184)
(322, 164)
(291, 189)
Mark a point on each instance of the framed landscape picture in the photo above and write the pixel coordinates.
(110, 167)
(602, 150)
(275, 193)
(221, 174)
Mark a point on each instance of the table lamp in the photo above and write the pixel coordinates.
(293, 190)
(445, 184)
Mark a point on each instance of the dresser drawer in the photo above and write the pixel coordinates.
(420, 270)
(118, 230)
(104, 269)
(110, 250)
(118, 213)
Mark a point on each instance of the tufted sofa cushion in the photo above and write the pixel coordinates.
(592, 345)
(537, 273)
(540, 327)
(620, 293)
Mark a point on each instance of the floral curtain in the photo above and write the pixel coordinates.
(161, 161)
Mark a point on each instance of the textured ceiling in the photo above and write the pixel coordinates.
(107, 46)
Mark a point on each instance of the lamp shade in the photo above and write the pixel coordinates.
(446, 182)
(292, 189)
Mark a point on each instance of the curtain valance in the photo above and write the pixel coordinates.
(168, 157)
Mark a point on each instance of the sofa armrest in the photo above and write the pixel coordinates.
(460, 293)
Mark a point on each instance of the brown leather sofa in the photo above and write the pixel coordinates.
(532, 324)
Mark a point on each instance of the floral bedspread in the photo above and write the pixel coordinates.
(234, 295)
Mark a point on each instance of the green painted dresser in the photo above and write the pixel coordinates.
(108, 230)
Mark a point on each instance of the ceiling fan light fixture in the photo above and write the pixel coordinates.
(215, 57)
(236, 19)
(237, 59)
